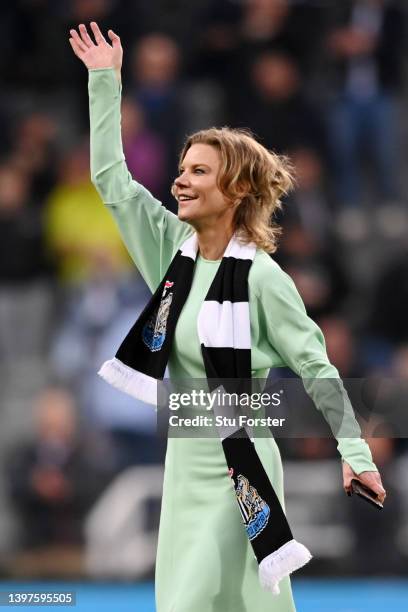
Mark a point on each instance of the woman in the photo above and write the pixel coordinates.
(228, 185)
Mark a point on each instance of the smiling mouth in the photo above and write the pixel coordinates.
(185, 200)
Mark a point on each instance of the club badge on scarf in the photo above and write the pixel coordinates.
(154, 331)
(254, 510)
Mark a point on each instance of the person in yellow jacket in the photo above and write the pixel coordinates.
(80, 234)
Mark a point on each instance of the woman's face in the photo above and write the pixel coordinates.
(200, 201)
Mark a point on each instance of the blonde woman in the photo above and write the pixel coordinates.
(227, 190)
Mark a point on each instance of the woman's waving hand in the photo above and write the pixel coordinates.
(97, 53)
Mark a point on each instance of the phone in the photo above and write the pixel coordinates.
(365, 493)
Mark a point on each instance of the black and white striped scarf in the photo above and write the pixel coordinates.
(225, 337)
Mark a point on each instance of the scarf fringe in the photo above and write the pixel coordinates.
(281, 563)
(134, 383)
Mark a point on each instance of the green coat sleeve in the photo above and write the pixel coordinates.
(300, 343)
(152, 234)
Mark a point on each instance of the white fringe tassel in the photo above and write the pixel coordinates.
(281, 563)
(132, 382)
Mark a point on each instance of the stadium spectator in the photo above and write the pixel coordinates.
(25, 298)
(390, 302)
(275, 108)
(340, 345)
(55, 477)
(93, 320)
(145, 152)
(81, 234)
(309, 205)
(34, 150)
(364, 51)
(315, 269)
(234, 33)
(157, 88)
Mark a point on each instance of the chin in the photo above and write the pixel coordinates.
(183, 215)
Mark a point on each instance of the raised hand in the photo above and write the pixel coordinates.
(98, 54)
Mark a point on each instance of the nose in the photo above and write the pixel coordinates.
(182, 180)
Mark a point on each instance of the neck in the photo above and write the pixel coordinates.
(212, 242)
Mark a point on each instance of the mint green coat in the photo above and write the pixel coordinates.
(204, 560)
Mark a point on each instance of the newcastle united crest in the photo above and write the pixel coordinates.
(254, 510)
(154, 331)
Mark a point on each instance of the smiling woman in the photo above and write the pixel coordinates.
(243, 181)
(221, 309)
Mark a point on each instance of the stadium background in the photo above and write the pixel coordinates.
(80, 465)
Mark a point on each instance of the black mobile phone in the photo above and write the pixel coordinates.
(365, 493)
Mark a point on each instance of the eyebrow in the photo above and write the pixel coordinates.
(197, 166)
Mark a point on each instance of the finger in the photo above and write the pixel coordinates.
(373, 481)
(347, 478)
(380, 484)
(347, 483)
(86, 39)
(381, 498)
(99, 38)
(347, 487)
(78, 41)
(378, 489)
(114, 38)
(381, 494)
(75, 48)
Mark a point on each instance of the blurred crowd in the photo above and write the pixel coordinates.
(323, 82)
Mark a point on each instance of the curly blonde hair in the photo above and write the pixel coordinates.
(251, 176)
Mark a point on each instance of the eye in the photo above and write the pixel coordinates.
(199, 170)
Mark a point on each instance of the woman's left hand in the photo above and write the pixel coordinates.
(369, 479)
